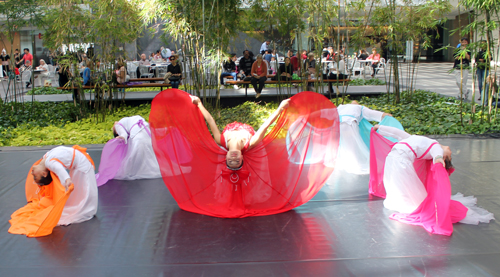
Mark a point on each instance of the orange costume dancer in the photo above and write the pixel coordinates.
(56, 197)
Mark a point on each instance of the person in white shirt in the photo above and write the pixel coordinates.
(45, 67)
(265, 46)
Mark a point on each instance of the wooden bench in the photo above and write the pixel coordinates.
(146, 79)
(145, 85)
(247, 83)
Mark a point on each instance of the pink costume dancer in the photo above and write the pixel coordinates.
(410, 180)
(140, 160)
(354, 155)
(82, 203)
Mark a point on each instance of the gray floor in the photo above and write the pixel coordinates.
(430, 76)
(140, 231)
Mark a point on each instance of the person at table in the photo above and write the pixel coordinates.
(86, 73)
(152, 57)
(64, 74)
(158, 56)
(229, 67)
(268, 55)
(175, 70)
(285, 71)
(5, 62)
(26, 67)
(142, 62)
(362, 55)
(337, 72)
(375, 58)
(27, 56)
(273, 65)
(259, 75)
(246, 63)
(44, 67)
(330, 54)
(265, 46)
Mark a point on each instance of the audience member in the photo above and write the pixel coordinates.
(229, 68)
(259, 75)
(265, 46)
(175, 71)
(463, 63)
(246, 63)
(375, 57)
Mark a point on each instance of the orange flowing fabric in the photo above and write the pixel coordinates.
(45, 205)
(282, 172)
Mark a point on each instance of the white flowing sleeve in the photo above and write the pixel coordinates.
(371, 115)
(393, 132)
(436, 150)
(58, 169)
(121, 132)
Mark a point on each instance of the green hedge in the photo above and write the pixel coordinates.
(55, 123)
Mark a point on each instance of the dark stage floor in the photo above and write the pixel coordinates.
(140, 231)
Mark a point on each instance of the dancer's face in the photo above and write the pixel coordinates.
(446, 152)
(38, 172)
(234, 158)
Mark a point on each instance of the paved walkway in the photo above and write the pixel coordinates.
(430, 76)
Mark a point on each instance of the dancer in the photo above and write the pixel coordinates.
(240, 172)
(130, 155)
(415, 182)
(56, 197)
(354, 151)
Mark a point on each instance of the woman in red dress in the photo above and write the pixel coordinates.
(240, 172)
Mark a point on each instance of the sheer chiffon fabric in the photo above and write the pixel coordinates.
(418, 189)
(275, 176)
(139, 161)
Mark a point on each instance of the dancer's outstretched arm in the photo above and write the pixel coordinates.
(208, 117)
(391, 132)
(259, 135)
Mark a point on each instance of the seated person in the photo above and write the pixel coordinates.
(285, 71)
(229, 67)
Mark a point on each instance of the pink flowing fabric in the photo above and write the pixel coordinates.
(111, 159)
(274, 178)
(437, 212)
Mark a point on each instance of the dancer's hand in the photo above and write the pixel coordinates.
(195, 99)
(284, 104)
(440, 160)
(67, 183)
(120, 137)
(376, 127)
(386, 114)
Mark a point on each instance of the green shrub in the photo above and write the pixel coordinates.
(46, 90)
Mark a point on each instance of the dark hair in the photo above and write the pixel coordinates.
(171, 58)
(232, 168)
(115, 134)
(45, 180)
(17, 49)
(447, 164)
(246, 50)
(464, 38)
(26, 49)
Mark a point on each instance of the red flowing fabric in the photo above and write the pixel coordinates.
(437, 212)
(282, 172)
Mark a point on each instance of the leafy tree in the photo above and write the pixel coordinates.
(16, 15)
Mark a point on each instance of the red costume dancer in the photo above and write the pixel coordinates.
(266, 174)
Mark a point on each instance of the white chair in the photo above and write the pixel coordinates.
(358, 67)
(381, 65)
(144, 70)
(132, 69)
